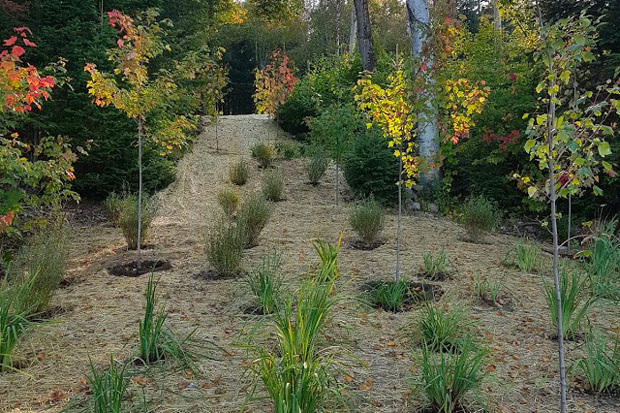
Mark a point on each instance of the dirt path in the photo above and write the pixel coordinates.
(101, 312)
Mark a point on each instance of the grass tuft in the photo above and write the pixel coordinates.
(225, 244)
(600, 366)
(479, 216)
(526, 255)
(575, 301)
(273, 185)
(266, 283)
(228, 201)
(253, 215)
(436, 266)
(123, 209)
(239, 172)
(108, 387)
(390, 295)
(442, 330)
(367, 220)
(316, 165)
(264, 153)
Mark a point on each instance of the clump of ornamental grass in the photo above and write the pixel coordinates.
(225, 245)
(266, 282)
(526, 255)
(367, 220)
(390, 295)
(575, 299)
(228, 201)
(315, 167)
(252, 217)
(479, 216)
(328, 254)
(599, 368)
(603, 265)
(436, 266)
(441, 329)
(13, 322)
(273, 185)
(451, 382)
(288, 149)
(489, 291)
(239, 172)
(38, 268)
(264, 153)
(298, 373)
(108, 387)
(123, 209)
(157, 342)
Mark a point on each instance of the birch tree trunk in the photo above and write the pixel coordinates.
(497, 19)
(352, 31)
(428, 133)
(364, 35)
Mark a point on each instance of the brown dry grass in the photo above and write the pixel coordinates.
(103, 311)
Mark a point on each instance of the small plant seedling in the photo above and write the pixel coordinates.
(479, 217)
(228, 201)
(267, 283)
(436, 266)
(390, 295)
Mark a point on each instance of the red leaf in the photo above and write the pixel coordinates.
(10, 41)
(29, 43)
(17, 51)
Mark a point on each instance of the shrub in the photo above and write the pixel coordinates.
(604, 261)
(367, 220)
(600, 366)
(442, 330)
(264, 153)
(527, 255)
(273, 185)
(124, 210)
(448, 379)
(370, 167)
(299, 106)
(435, 267)
(239, 172)
(40, 266)
(479, 216)
(228, 200)
(225, 244)
(252, 217)
(266, 283)
(13, 322)
(108, 388)
(575, 302)
(315, 167)
(289, 150)
(390, 295)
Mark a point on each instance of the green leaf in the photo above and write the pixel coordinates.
(565, 77)
(604, 149)
(526, 115)
(531, 191)
(606, 165)
(529, 145)
(597, 191)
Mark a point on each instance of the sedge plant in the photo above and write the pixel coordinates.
(435, 266)
(13, 322)
(600, 365)
(266, 283)
(108, 387)
(441, 329)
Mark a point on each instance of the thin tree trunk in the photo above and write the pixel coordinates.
(364, 35)
(570, 213)
(428, 133)
(217, 141)
(554, 223)
(400, 209)
(352, 31)
(337, 194)
(139, 253)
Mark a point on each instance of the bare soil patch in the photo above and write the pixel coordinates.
(131, 269)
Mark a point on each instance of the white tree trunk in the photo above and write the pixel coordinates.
(352, 31)
(497, 19)
(428, 133)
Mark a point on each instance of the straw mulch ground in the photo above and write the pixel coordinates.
(101, 312)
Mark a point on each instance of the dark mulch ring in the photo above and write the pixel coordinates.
(212, 275)
(365, 246)
(68, 282)
(131, 269)
(144, 247)
(50, 313)
(608, 401)
(254, 310)
(417, 292)
(442, 276)
(504, 302)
